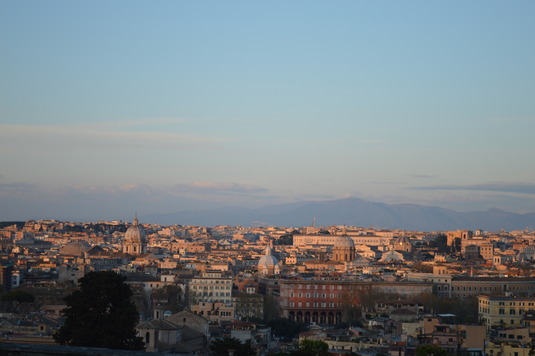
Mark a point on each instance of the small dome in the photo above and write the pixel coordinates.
(75, 248)
(268, 260)
(403, 240)
(268, 264)
(344, 241)
(135, 233)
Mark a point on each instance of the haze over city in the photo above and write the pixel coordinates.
(108, 108)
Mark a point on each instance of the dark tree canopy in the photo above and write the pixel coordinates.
(430, 350)
(221, 347)
(312, 348)
(100, 314)
(286, 328)
(17, 297)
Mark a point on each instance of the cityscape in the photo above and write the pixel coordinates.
(359, 290)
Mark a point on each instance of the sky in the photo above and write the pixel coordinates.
(111, 108)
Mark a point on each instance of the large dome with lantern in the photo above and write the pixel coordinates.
(135, 233)
(134, 239)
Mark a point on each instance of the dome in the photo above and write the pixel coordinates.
(268, 260)
(135, 233)
(344, 241)
(75, 248)
(403, 240)
(268, 264)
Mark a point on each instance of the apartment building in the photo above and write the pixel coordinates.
(211, 286)
(502, 310)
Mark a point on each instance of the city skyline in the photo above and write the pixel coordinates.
(112, 108)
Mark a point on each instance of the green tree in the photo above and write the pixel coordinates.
(100, 314)
(16, 298)
(312, 348)
(286, 328)
(169, 296)
(221, 347)
(428, 350)
(465, 309)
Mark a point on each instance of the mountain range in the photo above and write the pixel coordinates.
(351, 212)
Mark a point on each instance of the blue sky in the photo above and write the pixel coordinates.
(113, 107)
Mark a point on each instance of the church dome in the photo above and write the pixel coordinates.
(344, 241)
(403, 240)
(268, 264)
(135, 233)
(268, 260)
(75, 248)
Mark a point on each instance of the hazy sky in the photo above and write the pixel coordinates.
(112, 107)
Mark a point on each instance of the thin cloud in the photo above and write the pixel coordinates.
(75, 138)
(423, 176)
(27, 201)
(521, 188)
(218, 188)
(139, 122)
(17, 188)
(140, 189)
(314, 197)
(385, 182)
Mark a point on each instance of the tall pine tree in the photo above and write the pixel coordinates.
(101, 314)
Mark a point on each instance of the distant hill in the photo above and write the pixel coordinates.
(351, 211)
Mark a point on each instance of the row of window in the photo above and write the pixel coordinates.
(511, 311)
(315, 295)
(210, 287)
(216, 294)
(210, 281)
(331, 287)
(521, 304)
(314, 305)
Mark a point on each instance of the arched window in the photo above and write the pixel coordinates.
(147, 338)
